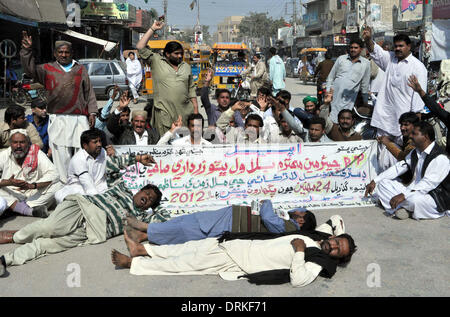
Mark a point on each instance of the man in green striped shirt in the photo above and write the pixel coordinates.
(82, 220)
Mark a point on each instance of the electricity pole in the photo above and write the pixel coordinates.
(427, 32)
(165, 4)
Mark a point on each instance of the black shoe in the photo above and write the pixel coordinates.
(2, 266)
(40, 212)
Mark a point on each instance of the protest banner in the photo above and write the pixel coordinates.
(311, 175)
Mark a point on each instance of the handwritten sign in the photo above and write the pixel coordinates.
(311, 175)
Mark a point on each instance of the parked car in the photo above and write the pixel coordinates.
(104, 74)
(291, 67)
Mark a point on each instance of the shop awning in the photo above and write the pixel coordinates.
(47, 11)
(107, 45)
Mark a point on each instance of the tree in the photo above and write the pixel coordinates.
(258, 25)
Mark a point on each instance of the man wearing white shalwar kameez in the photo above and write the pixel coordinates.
(235, 257)
(134, 74)
(427, 194)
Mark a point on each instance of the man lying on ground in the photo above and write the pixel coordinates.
(214, 223)
(266, 259)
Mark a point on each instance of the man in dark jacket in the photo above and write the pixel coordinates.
(138, 132)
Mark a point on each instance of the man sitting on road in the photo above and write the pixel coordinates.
(86, 219)
(29, 179)
(87, 168)
(406, 121)
(343, 131)
(15, 119)
(39, 119)
(195, 123)
(135, 134)
(426, 171)
(223, 97)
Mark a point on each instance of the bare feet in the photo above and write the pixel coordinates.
(136, 224)
(119, 259)
(135, 249)
(135, 235)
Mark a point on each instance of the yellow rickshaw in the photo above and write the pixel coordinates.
(200, 63)
(158, 46)
(229, 61)
(308, 58)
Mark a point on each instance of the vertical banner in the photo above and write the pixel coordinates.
(311, 175)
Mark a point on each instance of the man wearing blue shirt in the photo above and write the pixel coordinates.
(277, 72)
(39, 119)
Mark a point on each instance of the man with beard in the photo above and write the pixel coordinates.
(406, 121)
(15, 119)
(264, 258)
(425, 171)
(344, 130)
(173, 86)
(81, 220)
(311, 110)
(71, 102)
(349, 75)
(87, 168)
(195, 123)
(39, 119)
(223, 97)
(136, 133)
(29, 179)
(214, 223)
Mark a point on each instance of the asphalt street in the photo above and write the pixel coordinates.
(394, 258)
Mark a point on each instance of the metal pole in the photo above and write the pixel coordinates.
(427, 31)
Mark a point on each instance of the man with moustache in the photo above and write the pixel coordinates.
(81, 220)
(87, 168)
(71, 102)
(406, 121)
(29, 179)
(395, 96)
(425, 171)
(173, 86)
(195, 123)
(344, 130)
(349, 75)
(265, 258)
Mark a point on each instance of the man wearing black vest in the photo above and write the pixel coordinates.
(424, 189)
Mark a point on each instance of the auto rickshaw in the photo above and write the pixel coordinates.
(310, 57)
(158, 46)
(229, 61)
(200, 64)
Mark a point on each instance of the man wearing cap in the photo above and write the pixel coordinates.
(29, 179)
(311, 110)
(258, 74)
(39, 119)
(71, 104)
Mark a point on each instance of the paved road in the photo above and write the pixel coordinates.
(394, 258)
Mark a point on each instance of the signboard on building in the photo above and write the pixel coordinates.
(441, 9)
(375, 12)
(113, 11)
(411, 10)
(340, 40)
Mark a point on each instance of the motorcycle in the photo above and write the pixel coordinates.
(363, 116)
(26, 90)
(242, 92)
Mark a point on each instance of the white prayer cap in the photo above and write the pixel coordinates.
(21, 131)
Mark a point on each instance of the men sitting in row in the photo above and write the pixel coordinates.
(424, 192)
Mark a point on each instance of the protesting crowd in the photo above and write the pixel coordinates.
(59, 163)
